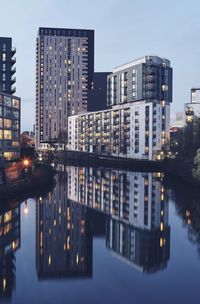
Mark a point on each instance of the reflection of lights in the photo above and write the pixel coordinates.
(187, 213)
(13, 245)
(26, 208)
(40, 157)
(77, 259)
(4, 284)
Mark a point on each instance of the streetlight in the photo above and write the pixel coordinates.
(26, 210)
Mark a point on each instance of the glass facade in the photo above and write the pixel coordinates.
(9, 126)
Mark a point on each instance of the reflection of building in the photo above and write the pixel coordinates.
(64, 75)
(192, 109)
(137, 125)
(9, 243)
(147, 250)
(137, 210)
(63, 239)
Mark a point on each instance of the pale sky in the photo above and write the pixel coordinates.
(124, 30)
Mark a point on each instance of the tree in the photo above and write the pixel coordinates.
(196, 170)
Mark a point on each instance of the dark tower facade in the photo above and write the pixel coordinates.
(7, 68)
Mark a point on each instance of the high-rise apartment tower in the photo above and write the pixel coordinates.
(64, 75)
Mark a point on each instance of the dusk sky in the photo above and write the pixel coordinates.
(124, 30)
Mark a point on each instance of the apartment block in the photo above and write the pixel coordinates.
(148, 78)
(64, 75)
(9, 126)
(192, 109)
(136, 126)
(133, 130)
(7, 66)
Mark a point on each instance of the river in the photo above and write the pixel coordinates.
(102, 236)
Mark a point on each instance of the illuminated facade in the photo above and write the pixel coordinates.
(7, 68)
(9, 243)
(192, 109)
(137, 125)
(9, 126)
(136, 207)
(64, 75)
(63, 241)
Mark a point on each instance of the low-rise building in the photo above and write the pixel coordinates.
(130, 130)
(192, 109)
(9, 126)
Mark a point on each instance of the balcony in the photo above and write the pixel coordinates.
(13, 80)
(13, 71)
(13, 60)
(13, 90)
(13, 52)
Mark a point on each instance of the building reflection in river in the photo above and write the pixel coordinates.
(9, 243)
(136, 206)
(63, 237)
(133, 205)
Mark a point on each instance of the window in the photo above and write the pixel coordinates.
(15, 144)
(15, 103)
(16, 114)
(1, 134)
(7, 101)
(7, 112)
(1, 122)
(7, 134)
(4, 57)
(7, 123)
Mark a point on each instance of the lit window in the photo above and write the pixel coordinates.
(15, 103)
(7, 134)
(4, 57)
(7, 123)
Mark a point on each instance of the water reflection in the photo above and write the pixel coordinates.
(136, 205)
(9, 243)
(63, 236)
(133, 205)
(187, 203)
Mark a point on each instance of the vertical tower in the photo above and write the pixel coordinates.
(7, 69)
(64, 74)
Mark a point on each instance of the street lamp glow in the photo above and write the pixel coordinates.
(26, 210)
(26, 162)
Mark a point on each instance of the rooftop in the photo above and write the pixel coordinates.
(155, 59)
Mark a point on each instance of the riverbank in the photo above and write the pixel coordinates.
(41, 177)
(99, 160)
(177, 168)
